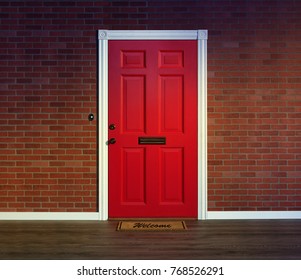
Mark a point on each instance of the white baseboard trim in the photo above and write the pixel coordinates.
(56, 216)
(95, 216)
(243, 215)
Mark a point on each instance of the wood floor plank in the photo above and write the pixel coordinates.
(237, 239)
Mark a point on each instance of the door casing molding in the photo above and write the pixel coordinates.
(103, 90)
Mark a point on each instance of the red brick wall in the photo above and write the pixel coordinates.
(48, 150)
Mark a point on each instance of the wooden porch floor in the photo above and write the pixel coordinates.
(235, 239)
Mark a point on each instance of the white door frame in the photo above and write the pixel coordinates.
(103, 37)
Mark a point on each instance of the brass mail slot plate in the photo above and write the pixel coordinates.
(152, 140)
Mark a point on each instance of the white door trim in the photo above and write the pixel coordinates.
(103, 37)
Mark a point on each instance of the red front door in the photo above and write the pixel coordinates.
(152, 129)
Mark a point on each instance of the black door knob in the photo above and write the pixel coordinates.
(112, 141)
(112, 126)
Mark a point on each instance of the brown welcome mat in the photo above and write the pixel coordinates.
(151, 226)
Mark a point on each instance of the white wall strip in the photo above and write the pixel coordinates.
(241, 215)
(94, 216)
(49, 216)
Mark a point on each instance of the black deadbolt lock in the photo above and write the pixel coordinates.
(91, 117)
(112, 126)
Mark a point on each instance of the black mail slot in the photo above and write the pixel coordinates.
(152, 140)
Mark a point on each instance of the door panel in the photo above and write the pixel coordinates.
(133, 100)
(170, 59)
(153, 94)
(132, 59)
(172, 175)
(133, 174)
(171, 97)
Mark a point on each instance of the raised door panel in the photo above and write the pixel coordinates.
(133, 103)
(171, 97)
(172, 176)
(133, 176)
